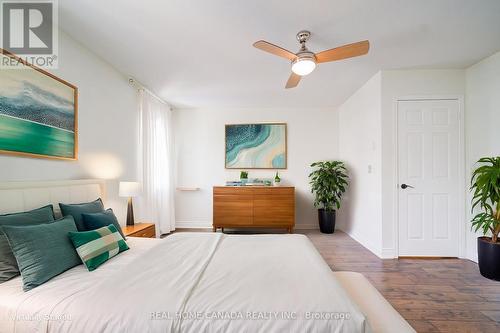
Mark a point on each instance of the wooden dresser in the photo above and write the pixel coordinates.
(253, 207)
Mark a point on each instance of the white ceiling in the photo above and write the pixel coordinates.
(198, 53)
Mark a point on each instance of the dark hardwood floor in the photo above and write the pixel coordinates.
(433, 295)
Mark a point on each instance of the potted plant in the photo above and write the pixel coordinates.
(328, 183)
(244, 177)
(277, 179)
(485, 185)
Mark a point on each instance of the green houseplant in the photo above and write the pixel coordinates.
(244, 177)
(328, 183)
(485, 185)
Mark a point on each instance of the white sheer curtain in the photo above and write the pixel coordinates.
(156, 203)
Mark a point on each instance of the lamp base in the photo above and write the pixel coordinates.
(130, 212)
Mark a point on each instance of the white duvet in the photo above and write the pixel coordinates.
(190, 282)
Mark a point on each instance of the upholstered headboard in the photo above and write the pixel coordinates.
(23, 196)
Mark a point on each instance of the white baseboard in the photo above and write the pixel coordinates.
(365, 242)
(388, 253)
(194, 224)
(472, 257)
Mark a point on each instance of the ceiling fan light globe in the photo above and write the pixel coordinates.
(303, 66)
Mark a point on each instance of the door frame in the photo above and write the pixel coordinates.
(462, 184)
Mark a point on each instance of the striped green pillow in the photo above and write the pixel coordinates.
(98, 246)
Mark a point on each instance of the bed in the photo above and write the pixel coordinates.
(197, 282)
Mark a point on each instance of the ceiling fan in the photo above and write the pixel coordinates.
(304, 61)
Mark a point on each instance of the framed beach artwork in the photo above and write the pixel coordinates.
(38, 113)
(256, 146)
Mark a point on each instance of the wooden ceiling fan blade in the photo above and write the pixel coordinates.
(344, 52)
(274, 49)
(293, 81)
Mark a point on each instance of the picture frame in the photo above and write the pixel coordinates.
(45, 124)
(268, 148)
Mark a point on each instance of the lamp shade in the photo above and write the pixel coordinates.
(129, 189)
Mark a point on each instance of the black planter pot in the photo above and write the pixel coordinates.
(326, 221)
(488, 258)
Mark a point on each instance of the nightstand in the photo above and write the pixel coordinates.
(146, 230)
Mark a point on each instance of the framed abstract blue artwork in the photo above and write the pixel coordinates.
(256, 146)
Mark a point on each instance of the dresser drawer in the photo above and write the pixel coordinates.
(237, 190)
(273, 210)
(146, 230)
(233, 209)
(147, 233)
(272, 191)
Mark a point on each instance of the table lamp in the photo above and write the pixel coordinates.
(129, 190)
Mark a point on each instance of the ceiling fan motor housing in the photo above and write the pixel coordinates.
(303, 55)
(303, 36)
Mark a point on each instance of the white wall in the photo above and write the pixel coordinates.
(368, 118)
(107, 127)
(360, 147)
(312, 136)
(482, 119)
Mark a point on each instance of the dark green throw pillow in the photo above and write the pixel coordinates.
(98, 246)
(42, 251)
(98, 220)
(8, 264)
(76, 210)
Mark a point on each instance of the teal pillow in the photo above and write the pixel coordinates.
(99, 220)
(42, 251)
(8, 264)
(76, 210)
(98, 246)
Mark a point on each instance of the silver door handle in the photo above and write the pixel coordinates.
(405, 186)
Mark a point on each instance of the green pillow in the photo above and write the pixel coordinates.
(98, 220)
(42, 251)
(8, 264)
(76, 210)
(98, 246)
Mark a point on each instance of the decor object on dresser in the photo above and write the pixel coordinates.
(277, 179)
(253, 207)
(129, 190)
(145, 230)
(328, 183)
(243, 177)
(38, 112)
(485, 185)
(256, 146)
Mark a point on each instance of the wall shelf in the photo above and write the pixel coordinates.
(188, 189)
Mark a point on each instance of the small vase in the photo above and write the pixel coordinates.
(277, 183)
(244, 181)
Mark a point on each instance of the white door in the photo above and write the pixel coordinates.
(428, 166)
